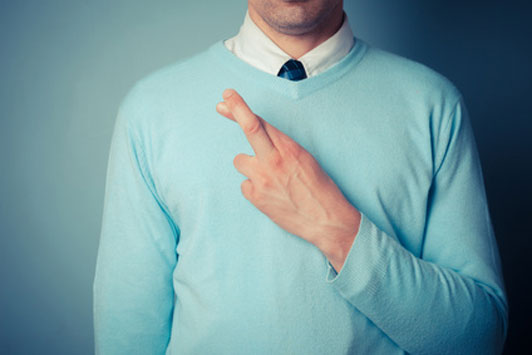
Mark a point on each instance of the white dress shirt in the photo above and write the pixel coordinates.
(255, 48)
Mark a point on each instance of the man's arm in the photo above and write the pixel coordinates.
(451, 299)
(133, 293)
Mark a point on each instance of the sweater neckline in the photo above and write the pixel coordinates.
(293, 89)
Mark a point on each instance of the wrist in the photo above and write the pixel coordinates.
(337, 238)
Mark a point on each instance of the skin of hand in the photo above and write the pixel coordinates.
(286, 183)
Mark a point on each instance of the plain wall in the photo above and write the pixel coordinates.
(66, 65)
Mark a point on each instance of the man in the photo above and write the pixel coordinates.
(362, 226)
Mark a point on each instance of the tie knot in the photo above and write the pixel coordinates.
(292, 70)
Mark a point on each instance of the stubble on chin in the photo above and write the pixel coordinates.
(292, 17)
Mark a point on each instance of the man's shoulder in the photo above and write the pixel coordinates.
(164, 85)
(409, 76)
(171, 77)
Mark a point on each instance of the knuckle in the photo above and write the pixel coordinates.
(237, 160)
(263, 185)
(292, 150)
(275, 161)
(246, 188)
(253, 127)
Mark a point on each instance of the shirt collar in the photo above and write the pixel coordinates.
(256, 48)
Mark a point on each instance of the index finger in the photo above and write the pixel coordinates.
(249, 122)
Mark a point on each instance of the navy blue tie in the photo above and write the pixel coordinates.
(292, 70)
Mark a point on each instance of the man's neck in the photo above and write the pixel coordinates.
(297, 45)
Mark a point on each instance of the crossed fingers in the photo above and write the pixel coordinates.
(259, 133)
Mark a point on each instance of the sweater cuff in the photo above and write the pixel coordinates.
(365, 264)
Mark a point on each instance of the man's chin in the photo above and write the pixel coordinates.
(292, 17)
(294, 1)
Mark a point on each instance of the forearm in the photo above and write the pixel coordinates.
(423, 307)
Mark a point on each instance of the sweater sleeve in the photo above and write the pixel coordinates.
(132, 289)
(450, 299)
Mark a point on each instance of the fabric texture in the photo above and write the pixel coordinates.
(255, 48)
(186, 265)
(292, 70)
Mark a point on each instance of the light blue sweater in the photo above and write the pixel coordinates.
(187, 265)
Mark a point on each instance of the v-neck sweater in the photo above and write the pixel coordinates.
(187, 265)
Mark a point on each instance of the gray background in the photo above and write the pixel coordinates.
(65, 66)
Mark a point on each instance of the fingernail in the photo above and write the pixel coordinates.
(227, 93)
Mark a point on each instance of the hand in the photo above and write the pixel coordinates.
(286, 183)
